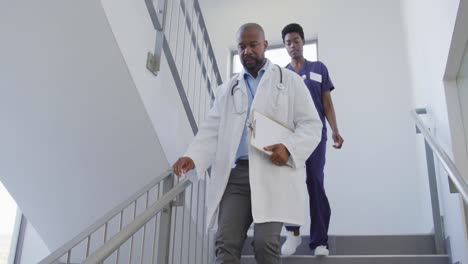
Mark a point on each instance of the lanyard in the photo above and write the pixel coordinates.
(250, 88)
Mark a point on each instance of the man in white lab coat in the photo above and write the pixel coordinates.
(246, 184)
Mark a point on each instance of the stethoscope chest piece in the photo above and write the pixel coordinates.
(280, 86)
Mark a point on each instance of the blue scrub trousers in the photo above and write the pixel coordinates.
(318, 202)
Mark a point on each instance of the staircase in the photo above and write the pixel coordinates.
(169, 215)
(391, 249)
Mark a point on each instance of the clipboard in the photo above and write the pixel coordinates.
(265, 131)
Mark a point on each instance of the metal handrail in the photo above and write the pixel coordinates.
(60, 252)
(454, 174)
(118, 240)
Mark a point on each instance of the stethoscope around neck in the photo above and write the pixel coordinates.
(279, 85)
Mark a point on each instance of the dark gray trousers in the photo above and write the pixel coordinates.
(235, 218)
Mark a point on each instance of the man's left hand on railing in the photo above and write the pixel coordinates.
(183, 165)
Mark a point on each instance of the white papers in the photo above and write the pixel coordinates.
(266, 132)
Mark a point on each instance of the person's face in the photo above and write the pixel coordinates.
(294, 45)
(251, 48)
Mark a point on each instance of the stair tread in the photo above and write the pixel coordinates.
(361, 256)
(417, 244)
(358, 259)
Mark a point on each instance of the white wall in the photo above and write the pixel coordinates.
(135, 35)
(375, 184)
(377, 178)
(76, 139)
(429, 26)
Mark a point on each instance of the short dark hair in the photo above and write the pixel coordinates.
(248, 26)
(293, 27)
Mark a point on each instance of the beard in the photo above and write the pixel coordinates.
(252, 64)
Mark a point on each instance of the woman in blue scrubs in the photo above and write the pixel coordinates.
(317, 80)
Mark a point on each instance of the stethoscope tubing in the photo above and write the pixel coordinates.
(280, 85)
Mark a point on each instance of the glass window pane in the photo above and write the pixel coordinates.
(236, 64)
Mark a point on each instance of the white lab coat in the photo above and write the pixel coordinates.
(279, 194)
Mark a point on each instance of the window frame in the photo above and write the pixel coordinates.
(271, 46)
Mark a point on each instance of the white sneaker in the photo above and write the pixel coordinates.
(321, 251)
(290, 245)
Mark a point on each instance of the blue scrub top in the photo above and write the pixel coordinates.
(317, 80)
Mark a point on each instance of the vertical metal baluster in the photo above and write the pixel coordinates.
(213, 84)
(131, 239)
(105, 231)
(165, 225)
(196, 221)
(144, 231)
(190, 53)
(175, 226)
(204, 217)
(201, 77)
(155, 229)
(209, 83)
(87, 245)
(195, 64)
(182, 232)
(183, 49)
(68, 256)
(120, 229)
(170, 23)
(210, 86)
(437, 220)
(165, 17)
(206, 85)
(177, 34)
(190, 224)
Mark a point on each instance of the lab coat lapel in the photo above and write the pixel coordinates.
(263, 87)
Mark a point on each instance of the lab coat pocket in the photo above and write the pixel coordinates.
(278, 102)
(278, 99)
(240, 103)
